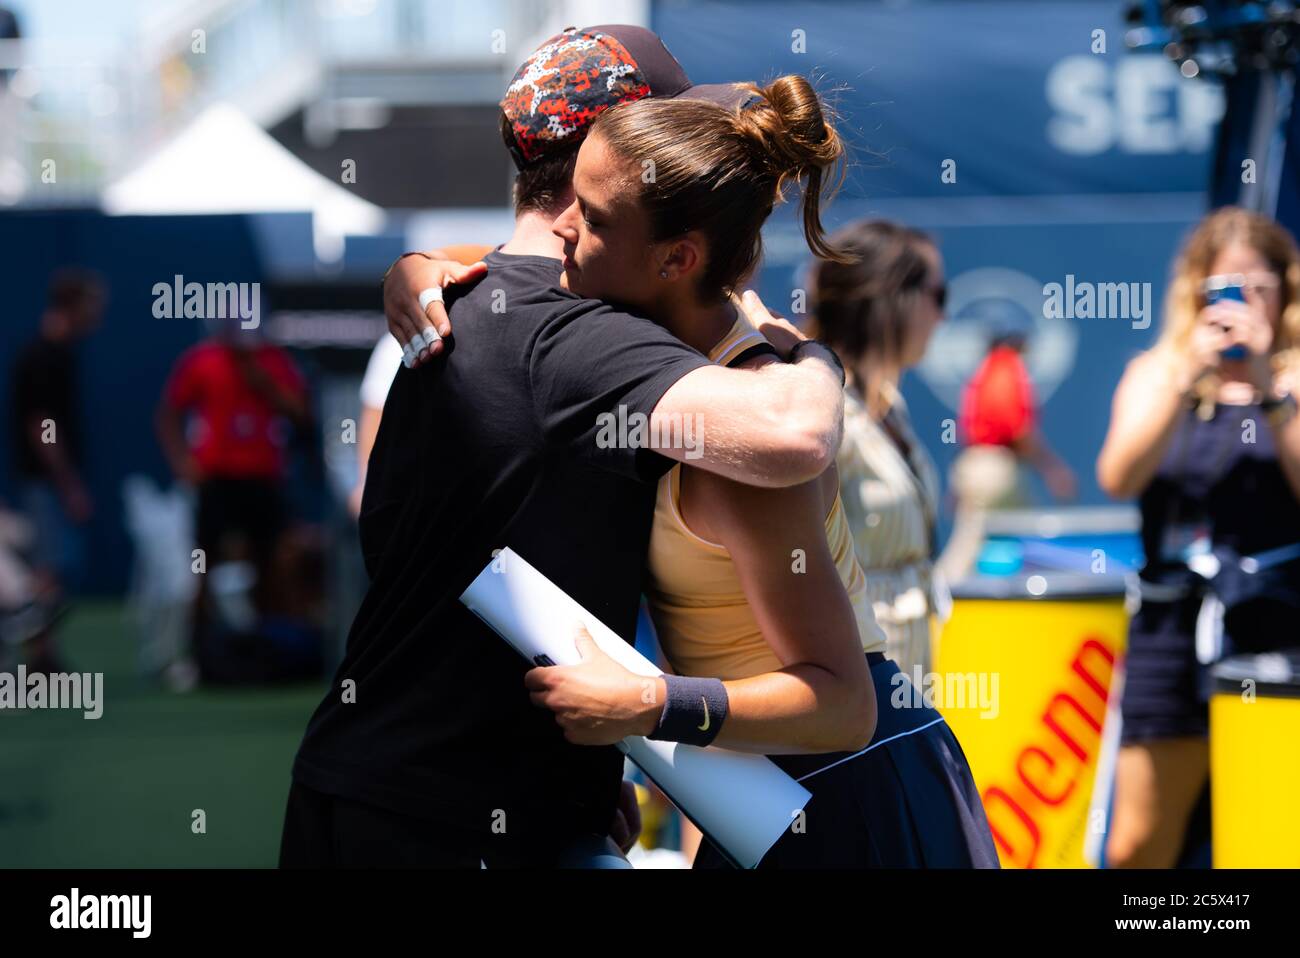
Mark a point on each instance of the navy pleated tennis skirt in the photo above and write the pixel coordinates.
(907, 800)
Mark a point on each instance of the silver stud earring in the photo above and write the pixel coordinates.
(663, 273)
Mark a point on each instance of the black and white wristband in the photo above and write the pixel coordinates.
(694, 710)
(835, 359)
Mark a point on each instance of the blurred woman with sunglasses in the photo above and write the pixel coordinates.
(878, 313)
(1203, 432)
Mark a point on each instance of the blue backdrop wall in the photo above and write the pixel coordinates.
(1024, 137)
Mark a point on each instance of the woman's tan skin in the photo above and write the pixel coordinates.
(1157, 782)
(1156, 786)
(822, 698)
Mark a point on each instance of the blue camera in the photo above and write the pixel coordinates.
(1233, 291)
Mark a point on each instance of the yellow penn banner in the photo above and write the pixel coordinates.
(1035, 755)
(1255, 777)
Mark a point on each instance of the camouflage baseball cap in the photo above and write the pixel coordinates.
(577, 75)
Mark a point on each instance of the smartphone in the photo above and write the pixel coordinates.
(1232, 291)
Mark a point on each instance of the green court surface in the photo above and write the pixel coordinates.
(121, 791)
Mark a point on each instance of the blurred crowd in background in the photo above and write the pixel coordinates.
(243, 555)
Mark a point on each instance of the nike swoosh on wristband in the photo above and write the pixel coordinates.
(705, 726)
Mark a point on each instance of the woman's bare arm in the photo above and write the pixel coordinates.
(822, 698)
(1144, 413)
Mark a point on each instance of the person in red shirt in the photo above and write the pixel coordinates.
(224, 422)
(998, 425)
(997, 407)
(243, 397)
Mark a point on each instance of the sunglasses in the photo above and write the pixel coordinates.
(939, 294)
(1257, 283)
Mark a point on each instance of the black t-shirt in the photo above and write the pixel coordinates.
(44, 386)
(495, 445)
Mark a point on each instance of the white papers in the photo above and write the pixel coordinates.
(742, 801)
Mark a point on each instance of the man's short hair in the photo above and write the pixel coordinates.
(539, 186)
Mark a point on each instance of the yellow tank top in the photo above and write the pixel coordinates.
(700, 612)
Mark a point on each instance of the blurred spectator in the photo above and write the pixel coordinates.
(878, 314)
(241, 395)
(47, 437)
(21, 614)
(998, 425)
(161, 595)
(1203, 432)
(17, 584)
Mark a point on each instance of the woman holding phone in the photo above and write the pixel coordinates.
(1204, 434)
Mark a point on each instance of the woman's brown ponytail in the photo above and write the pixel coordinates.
(720, 171)
(790, 129)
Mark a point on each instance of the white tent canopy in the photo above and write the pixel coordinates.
(223, 162)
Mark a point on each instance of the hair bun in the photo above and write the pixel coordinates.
(793, 137)
(789, 125)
